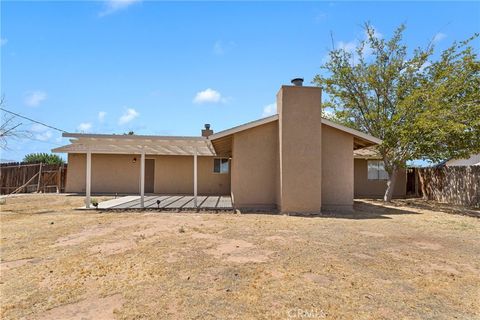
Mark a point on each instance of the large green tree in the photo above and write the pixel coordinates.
(44, 158)
(421, 107)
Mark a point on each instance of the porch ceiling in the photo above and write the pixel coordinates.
(223, 146)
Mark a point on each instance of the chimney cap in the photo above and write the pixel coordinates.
(207, 126)
(298, 82)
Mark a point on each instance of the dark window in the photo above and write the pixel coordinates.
(220, 165)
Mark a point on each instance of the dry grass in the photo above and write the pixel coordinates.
(401, 262)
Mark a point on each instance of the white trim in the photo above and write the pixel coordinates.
(243, 127)
(195, 178)
(129, 137)
(88, 178)
(142, 180)
(353, 132)
(275, 117)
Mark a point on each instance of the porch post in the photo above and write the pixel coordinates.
(88, 184)
(142, 180)
(195, 178)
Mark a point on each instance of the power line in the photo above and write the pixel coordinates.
(29, 119)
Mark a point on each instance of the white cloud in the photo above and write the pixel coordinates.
(220, 47)
(101, 116)
(44, 136)
(33, 99)
(350, 46)
(439, 37)
(112, 6)
(128, 116)
(425, 65)
(84, 126)
(347, 46)
(208, 96)
(3, 41)
(376, 33)
(40, 132)
(269, 110)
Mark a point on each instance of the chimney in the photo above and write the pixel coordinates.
(207, 132)
(300, 148)
(297, 82)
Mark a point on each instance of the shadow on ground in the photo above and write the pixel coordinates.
(361, 210)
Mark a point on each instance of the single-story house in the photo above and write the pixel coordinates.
(293, 161)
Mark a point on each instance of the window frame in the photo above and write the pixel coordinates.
(381, 174)
(220, 159)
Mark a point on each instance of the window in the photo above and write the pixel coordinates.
(376, 170)
(220, 165)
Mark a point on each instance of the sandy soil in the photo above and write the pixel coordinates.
(403, 261)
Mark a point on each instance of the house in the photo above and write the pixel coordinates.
(294, 161)
(473, 160)
(370, 178)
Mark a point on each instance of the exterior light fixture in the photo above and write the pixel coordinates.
(134, 160)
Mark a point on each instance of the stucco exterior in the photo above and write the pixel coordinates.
(117, 173)
(337, 169)
(294, 161)
(300, 149)
(255, 167)
(365, 188)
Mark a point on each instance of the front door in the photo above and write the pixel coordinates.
(149, 175)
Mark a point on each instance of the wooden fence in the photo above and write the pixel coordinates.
(37, 177)
(455, 185)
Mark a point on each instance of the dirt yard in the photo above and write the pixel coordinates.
(400, 262)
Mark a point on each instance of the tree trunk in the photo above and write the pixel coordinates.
(392, 178)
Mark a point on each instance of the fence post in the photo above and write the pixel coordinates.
(39, 177)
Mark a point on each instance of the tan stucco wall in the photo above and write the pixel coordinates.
(174, 174)
(255, 167)
(110, 173)
(300, 148)
(337, 169)
(118, 173)
(364, 188)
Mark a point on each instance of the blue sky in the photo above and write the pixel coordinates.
(167, 68)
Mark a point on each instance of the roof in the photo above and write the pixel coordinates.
(216, 144)
(473, 160)
(223, 139)
(128, 144)
(361, 140)
(367, 153)
(243, 127)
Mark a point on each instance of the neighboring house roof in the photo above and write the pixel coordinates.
(474, 160)
(128, 144)
(367, 153)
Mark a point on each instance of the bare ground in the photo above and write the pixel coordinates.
(403, 261)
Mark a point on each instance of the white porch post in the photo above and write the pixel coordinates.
(88, 184)
(142, 180)
(195, 178)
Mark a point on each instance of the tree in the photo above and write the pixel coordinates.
(421, 109)
(44, 158)
(10, 128)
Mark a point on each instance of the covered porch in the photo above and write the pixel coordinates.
(143, 149)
